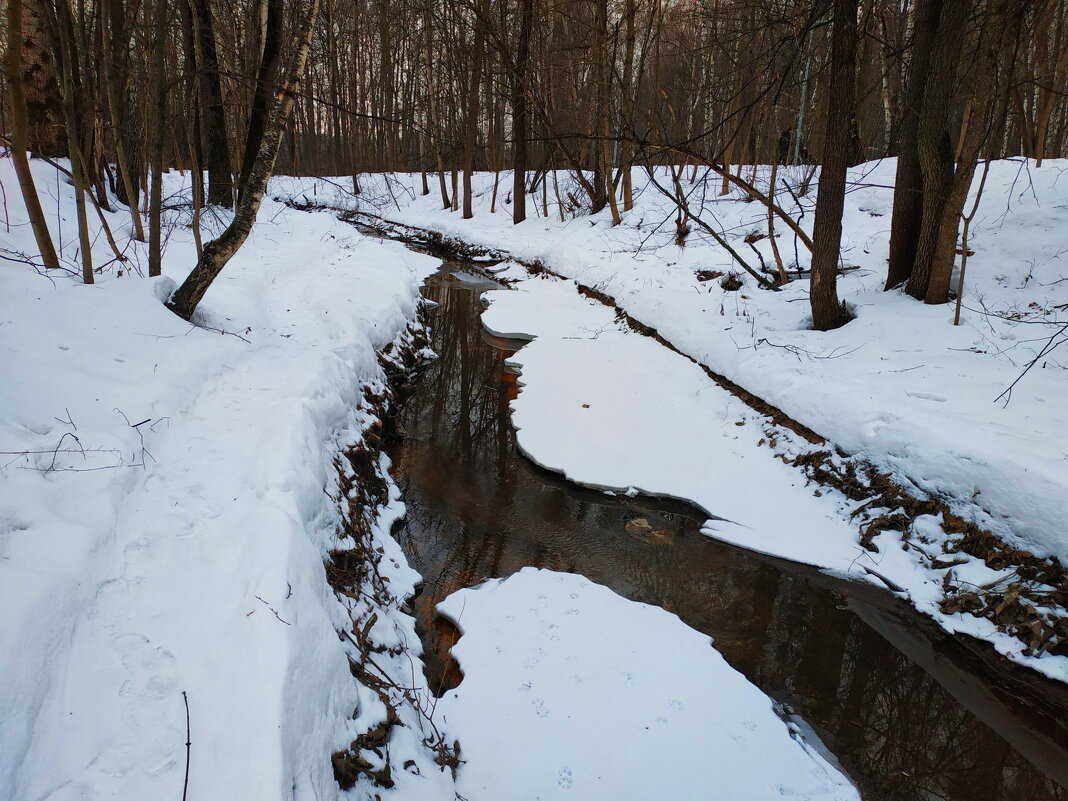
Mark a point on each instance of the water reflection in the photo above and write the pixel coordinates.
(836, 654)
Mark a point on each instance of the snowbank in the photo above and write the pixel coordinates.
(611, 408)
(571, 691)
(166, 506)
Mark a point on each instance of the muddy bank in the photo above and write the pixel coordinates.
(359, 573)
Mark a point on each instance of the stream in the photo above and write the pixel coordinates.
(910, 712)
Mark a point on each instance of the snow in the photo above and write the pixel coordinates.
(613, 409)
(571, 691)
(166, 506)
(168, 492)
(628, 413)
(899, 386)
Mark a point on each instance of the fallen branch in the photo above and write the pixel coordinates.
(685, 209)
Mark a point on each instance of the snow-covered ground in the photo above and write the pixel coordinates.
(571, 691)
(611, 408)
(168, 495)
(899, 386)
(166, 504)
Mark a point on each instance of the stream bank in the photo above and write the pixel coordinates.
(906, 709)
(905, 406)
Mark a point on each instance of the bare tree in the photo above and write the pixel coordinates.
(20, 135)
(827, 311)
(219, 251)
(519, 111)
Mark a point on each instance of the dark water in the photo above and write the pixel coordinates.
(909, 712)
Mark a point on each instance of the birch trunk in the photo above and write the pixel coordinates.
(219, 251)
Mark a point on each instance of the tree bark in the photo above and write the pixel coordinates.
(20, 134)
(471, 132)
(519, 113)
(934, 145)
(213, 113)
(155, 233)
(219, 251)
(192, 99)
(269, 61)
(908, 185)
(432, 106)
(68, 68)
(999, 24)
(827, 312)
(627, 100)
(604, 110)
(117, 44)
(41, 92)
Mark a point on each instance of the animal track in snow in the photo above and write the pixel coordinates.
(566, 778)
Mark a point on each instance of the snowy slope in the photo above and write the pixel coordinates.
(166, 506)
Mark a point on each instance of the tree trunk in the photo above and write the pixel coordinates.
(432, 107)
(112, 77)
(269, 61)
(999, 24)
(626, 88)
(192, 79)
(213, 114)
(908, 185)
(1054, 72)
(68, 68)
(20, 134)
(471, 132)
(827, 312)
(41, 92)
(159, 85)
(519, 113)
(604, 71)
(934, 146)
(219, 251)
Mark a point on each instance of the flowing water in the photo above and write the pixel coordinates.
(909, 712)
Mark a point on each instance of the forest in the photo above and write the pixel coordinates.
(399, 397)
(591, 89)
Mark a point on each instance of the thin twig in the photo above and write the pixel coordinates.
(1050, 345)
(188, 744)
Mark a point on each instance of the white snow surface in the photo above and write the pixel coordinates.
(167, 491)
(899, 386)
(571, 691)
(613, 409)
(166, 504)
